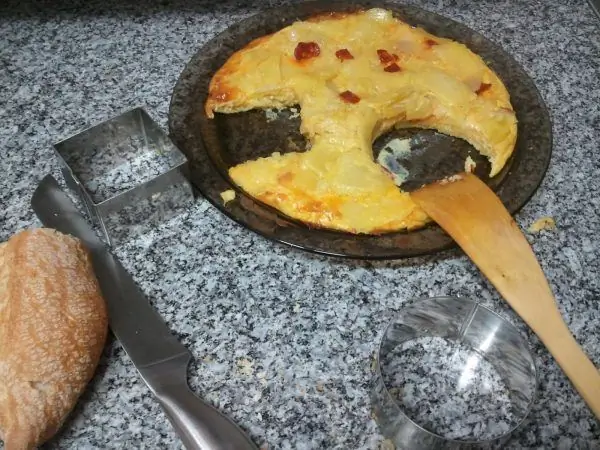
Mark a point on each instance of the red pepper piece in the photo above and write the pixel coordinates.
(349, 97)
(384, 56)
(392, 68)
(307, 50)
(344, 54)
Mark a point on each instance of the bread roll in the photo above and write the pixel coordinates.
(53, 326)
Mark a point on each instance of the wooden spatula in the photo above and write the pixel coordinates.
(477, 220)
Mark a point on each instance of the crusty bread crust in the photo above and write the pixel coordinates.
(53, 326)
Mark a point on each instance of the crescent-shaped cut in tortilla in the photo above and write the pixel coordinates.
(355, 76)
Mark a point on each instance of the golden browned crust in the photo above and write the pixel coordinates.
(53, 326)
(218, 90)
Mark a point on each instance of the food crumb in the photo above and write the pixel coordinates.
(373, 363)
(245, 366)
(227, 196)
(394, 392)
(387, 445)
(262, 377)
(320, 387)
(292, 145)
(470, 165)
(451, 179)
(389, 158)
(543, 223)
(271, 114)
(276, 113)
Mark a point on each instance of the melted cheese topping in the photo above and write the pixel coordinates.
(438, 84)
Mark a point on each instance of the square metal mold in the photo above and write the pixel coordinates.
(128, 173)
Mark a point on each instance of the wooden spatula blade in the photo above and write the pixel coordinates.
(477, 220)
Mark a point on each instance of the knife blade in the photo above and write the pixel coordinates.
(158, 356)
(595, 4)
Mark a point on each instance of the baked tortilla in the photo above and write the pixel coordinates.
(356, 76)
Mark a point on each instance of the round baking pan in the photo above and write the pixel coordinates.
(213, 146)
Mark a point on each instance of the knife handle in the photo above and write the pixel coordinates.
(199, 425)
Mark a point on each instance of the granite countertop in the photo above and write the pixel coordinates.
(282, 339)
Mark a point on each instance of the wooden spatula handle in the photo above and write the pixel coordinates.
(477, 220)
(575, 364)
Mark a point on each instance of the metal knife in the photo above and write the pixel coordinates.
(595, 4)
(160, 358)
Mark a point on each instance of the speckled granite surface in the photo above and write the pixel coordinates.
(283, 339)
